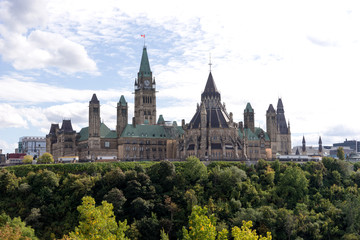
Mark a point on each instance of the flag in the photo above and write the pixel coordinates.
(143, 35)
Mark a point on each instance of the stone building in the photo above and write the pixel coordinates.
(143, 139)
(211, 133)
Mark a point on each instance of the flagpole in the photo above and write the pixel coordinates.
(143, 36)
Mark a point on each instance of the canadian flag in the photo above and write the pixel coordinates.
(143, 35)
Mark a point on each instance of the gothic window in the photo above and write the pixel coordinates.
(107, 144)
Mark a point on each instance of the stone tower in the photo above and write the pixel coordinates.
(249, 120)
(283, 130)
(122, 115)
(94, 117)
(94, 123)
(303, 149)
(145, 93)
(320, 146)
(271, 125)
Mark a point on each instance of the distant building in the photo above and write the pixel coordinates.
(347, 151)
(32, 145)
(13, 158)
(310, 151)
(2, 157)
(352, 144)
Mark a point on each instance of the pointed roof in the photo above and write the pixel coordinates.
(66, 126)
(122, 101)
(280, 118)
(320, 141)
(94, 99)
(271, 109)
(249, 108)
(145, 65)
(161, 120)
(280, 106)
(210, 88)
(54, 127)
(303, 141)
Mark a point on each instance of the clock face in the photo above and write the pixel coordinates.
(147, 83)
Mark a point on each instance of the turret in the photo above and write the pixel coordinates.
(94, 117)
(249, 117)
(271, 125)
(122, 115)
(320, 146)
(303, 146)
(203, 129)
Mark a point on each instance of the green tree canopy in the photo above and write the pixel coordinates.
(27, 159)
(293, 186)
(98, 222)
(14, 229)
(46, 158)
(340, 153)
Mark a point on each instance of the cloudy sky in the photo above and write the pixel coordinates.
(55, 54)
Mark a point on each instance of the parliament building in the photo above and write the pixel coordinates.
(210, 135)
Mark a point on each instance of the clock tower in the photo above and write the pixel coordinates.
(145, 98)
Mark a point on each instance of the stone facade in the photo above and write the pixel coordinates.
(144, 139)
(210, 135)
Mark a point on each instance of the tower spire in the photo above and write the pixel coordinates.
(210, 61)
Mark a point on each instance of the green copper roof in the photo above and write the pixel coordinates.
(253, 135)
(161, 120)
(152, 131)
(248, 108)
(145, 65)
(122, 101)
(105, 132)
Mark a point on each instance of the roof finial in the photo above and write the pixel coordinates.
(210, 61)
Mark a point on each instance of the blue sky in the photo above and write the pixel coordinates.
(55, 54)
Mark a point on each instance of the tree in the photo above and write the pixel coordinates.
(27, 159)
(14, 229)
(293, 186)
(194, 171)
(340, 153)
(46, 158)
(201, 226)
(245, 233)
(98, 222)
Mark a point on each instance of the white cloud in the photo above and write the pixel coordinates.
(26, 48)
(18, 89)
(11, 117)
(7, 147)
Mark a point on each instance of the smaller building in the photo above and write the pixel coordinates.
(15, 158)
(352, 144)
(32, 145)
(2, 157)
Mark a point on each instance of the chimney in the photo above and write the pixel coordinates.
(133, 122)
(241, 126)
(183, 123)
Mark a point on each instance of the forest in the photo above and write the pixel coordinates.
(181, 200)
